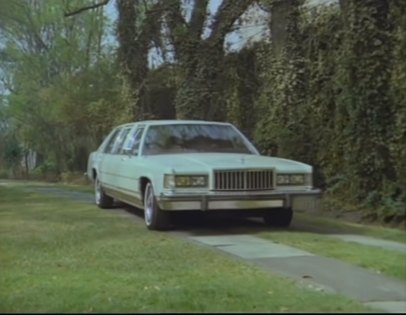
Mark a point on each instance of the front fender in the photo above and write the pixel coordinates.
(92, 165)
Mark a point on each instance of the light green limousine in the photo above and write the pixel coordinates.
(162, 166)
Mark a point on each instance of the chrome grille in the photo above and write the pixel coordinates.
(243, 180)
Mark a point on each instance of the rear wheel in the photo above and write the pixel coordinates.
(154, 217)
(279, 217)
(102, 200)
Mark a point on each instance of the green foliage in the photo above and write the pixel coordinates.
(329, 90)
(67, 91)
(333, 96)
(202, 88)
(364, 97)
(74, 178)
(242, 88)
(12, 153)
(399, 96)
(160, 91)
(47, 171)
(200, 96)
(285, 124)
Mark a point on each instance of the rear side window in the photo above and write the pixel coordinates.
(110, 143)
(118, 144)
(132, 142)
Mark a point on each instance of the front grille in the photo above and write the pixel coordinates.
(243, 180)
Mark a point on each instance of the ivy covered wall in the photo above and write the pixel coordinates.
(333, 95)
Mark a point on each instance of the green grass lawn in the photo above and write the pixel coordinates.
(58, 255)
(391, 234)
(376, 259)
(88, 187)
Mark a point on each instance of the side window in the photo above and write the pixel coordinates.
(132, 142)
(118, 144)
(110, 143)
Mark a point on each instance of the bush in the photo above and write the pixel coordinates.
(4, 174)
(76, 178)
(46, 171)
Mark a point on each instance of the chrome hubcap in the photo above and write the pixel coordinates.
(148, 205)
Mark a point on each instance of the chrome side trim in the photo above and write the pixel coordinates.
(133, 200)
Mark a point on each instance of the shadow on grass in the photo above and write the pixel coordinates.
(198, 223)
(201, 223)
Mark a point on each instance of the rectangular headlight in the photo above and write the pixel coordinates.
(169, 181)
(176, 181)
(290, 179)
(297, 179)
(309, 179)
(282, 179)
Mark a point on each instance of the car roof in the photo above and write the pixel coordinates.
(173, 122)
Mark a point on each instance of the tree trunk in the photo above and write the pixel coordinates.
(133, 54)
(200, 95)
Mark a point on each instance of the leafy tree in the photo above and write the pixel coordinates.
(62, 77)
(162, 24)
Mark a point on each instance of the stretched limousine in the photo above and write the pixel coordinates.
(162, 166)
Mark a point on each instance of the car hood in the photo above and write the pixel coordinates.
(205, 162)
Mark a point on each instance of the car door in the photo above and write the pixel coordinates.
(129, 167)
(95, 157)
(111, 161)
(103, 157)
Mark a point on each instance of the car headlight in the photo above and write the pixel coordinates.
(283, 179)
(183, 181)
(291, 179)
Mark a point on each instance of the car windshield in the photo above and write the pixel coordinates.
(191, 138)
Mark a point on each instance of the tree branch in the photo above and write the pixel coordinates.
(227, 14)
(263, 6)
(198, 17)
(90, 7)
(177, 27)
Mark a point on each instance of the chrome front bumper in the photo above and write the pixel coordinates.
(306, 200)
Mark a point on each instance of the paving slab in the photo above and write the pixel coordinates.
(389, 306)
(315, 272)
(372, 241)
(339, 276)
(250, 247)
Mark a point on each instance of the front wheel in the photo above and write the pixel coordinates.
(279, 217)
(154, 217)
(102, 200)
